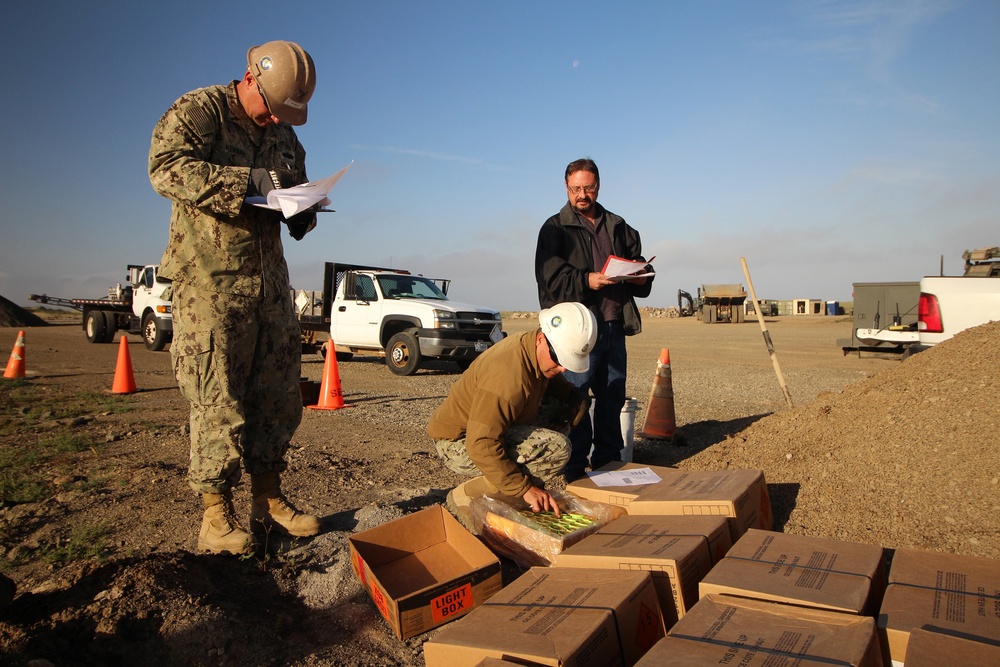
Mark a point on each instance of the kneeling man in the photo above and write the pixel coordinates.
(487, 427)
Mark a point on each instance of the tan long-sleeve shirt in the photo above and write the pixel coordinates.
(502, 388)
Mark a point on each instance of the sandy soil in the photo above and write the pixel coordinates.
(888, 452)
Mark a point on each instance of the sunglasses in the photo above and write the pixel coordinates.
(264, 97)
(552, 353)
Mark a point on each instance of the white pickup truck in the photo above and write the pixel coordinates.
(951, 304)
(403, 316)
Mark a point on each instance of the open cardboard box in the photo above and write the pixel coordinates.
(423, 570)
(740, 495)
(802, 570)
(724, 630)
(559, 617)
(511, 529)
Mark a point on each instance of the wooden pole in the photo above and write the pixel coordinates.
(767, 336)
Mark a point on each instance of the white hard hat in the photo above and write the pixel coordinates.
(571, 330)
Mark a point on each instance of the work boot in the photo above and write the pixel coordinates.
(272, 511)
(220, 532)
(459, 500)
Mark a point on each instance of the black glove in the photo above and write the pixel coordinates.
(263, 181)
(301, 224)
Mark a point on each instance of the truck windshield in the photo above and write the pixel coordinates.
(410, 287)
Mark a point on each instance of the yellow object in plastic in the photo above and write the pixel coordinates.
(529, 538)
(564, 524)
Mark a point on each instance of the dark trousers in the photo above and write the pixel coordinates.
(606, 379)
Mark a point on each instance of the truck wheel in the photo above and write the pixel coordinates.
(402, 354)
(95, 326)
(110, 326)
(463, 364)
(153, 335)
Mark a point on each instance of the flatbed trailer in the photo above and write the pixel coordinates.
(137, 308)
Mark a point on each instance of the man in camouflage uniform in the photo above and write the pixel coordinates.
(236, 343)
(488, 425)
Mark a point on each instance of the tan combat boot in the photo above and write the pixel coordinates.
(460, 498)
(271, 510)
(220, 532)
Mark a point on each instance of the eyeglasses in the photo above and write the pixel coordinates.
(264, 97)
(577, 189)
(552, 353)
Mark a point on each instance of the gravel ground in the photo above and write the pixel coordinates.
(888, 452)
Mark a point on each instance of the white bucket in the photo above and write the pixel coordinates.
(628, 428)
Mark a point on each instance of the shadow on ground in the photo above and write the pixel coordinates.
(689, 440)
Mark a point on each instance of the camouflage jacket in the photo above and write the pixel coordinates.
(200, 159)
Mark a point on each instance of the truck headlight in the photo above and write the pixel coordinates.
(163, 310)
(444, 319)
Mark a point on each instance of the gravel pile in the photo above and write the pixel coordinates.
(908, 458)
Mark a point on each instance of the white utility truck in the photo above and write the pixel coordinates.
(137, 308)
(404, 317)
(951, 304)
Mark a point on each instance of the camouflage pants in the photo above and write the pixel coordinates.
(237, 361)
(540, 452)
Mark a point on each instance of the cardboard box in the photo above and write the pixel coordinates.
(713, 529)
(675, 550)
(423, 570)
(740, 495)
(621, 496)
(801, 570)
(724, 630)
(933, 649)
(554, 616)
(950, 594)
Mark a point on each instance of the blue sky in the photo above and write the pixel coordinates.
(827, 142)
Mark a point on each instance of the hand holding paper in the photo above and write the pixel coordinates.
(620, 269)
(297, 199)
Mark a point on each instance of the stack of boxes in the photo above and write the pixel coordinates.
(555, 616)
(691, 575)
(950, 595)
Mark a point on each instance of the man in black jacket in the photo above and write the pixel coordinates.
(572, 249)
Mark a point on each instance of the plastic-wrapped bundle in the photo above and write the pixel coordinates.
(511, 529)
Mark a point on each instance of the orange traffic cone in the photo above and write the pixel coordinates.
(331, 396)
(124, 379)
(15, 365)
(660, 423)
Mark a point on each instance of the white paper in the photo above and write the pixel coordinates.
(621, 279)
(299, 197)
(635, 477)
(619, 269)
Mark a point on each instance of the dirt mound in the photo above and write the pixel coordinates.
(905, 459)
(12, 315)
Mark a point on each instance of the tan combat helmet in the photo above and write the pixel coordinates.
(286, 76)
